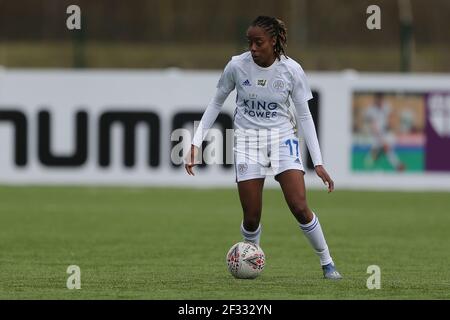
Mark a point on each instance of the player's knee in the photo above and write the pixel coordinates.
(299, 208)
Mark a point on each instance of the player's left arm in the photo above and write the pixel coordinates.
(300, 94)
(323, 174)
(305, 124)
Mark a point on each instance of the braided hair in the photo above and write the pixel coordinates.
(275, 28)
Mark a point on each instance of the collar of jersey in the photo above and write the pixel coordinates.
(267, 68)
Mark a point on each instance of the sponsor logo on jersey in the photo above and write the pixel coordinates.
(260, 109)
(261, 82)
(260, 105)
(246, 83)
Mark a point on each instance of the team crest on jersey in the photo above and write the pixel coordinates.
(278, 85)
(261, 82)
(242, 168)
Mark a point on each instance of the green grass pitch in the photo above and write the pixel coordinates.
(160, 243)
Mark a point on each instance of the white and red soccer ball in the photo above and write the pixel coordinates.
(245, 260)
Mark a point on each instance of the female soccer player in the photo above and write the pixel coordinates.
(265, 131)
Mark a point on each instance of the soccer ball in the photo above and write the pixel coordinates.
(245, 260)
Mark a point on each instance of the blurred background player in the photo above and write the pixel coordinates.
(264, 78)
(377, 118)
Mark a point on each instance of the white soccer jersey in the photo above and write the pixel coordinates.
(263, 93)
(378, 117)
(262, 100)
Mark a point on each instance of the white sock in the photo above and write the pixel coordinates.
(313, 231)
(251, 236)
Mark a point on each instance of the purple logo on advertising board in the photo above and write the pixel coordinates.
(437, 130)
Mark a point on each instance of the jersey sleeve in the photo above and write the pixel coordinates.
(308, 130)
(225, 85)
(226, 82)
(209, 116)
(301, 92)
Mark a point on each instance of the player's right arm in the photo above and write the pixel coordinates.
(224, 87)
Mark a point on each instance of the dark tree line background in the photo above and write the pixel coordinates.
(314, 28)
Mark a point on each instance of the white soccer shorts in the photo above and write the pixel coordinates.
(253, 161)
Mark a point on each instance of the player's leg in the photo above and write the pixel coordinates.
(293, 185)
(250, 194)
(388, 148)
(372, 156)
(250, 164)
(374, 153)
